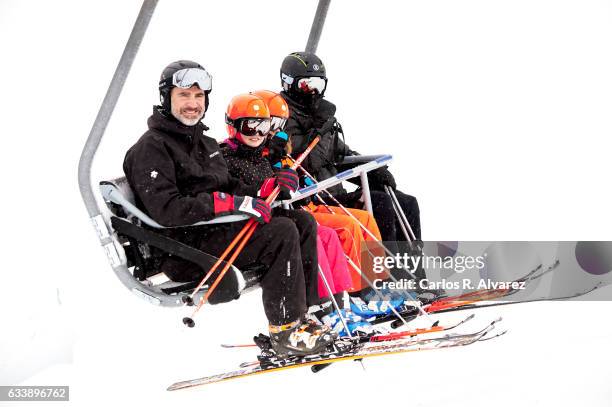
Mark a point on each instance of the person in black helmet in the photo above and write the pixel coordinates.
(179, 177)
(304, 81)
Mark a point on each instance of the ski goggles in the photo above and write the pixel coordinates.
(277, 123)
(312, 85)
(253, 127)
(188, 77)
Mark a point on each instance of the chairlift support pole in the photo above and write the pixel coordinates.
(108, 105)
(91, 146)
(317, 26)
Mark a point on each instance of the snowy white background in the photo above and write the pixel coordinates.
(498, 115)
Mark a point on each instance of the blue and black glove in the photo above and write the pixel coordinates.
(277, 146)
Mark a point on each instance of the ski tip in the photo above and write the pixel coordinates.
(188, 322)
(470, 317)
(435, 324)
(484, 339)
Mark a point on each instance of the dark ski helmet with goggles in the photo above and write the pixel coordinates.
(183, 74)
(303, 75)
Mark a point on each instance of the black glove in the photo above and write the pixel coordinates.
(381, 177)
(277, 146)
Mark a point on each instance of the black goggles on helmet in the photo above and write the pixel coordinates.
(311, 85)
(251, 126)
(188, 77)
(277, 123)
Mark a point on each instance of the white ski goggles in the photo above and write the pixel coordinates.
(312, 85)
(254, 127)
(277, 123)
(188, 77)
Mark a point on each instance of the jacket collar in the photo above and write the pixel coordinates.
(241, 150)
(168, 124)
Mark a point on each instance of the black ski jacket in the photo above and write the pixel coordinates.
(304, 124)
(246, 163)
(173, 170)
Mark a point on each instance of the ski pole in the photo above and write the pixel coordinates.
(247, 232)
(348, 213)
(400, 221)
(335, 304)
(400, 211)
(362, 275)
(189, 300)
(365, 229)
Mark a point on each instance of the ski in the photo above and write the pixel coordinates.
(464, 301)
(436, 327)
(342, 349)
(494, 293)
(413, 313)
(378, 337)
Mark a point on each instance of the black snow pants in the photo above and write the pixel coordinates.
(275, 245)
(388, 223)
(307, 229)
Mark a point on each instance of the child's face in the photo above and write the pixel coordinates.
(252, 141)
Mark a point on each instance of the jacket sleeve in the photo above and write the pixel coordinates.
(298, 137)
(341, 149)
(238, 187)
(150, 171)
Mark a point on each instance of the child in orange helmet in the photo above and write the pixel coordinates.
(244, 154)
(359, 245)
(352, 236)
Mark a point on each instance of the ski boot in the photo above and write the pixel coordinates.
(377, 303)
(300, 338)
(357, 326)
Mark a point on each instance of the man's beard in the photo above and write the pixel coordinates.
(187, 122)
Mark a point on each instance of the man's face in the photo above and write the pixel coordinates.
(187, 105)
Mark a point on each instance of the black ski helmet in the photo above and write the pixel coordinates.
(165, 84)
(299, 65)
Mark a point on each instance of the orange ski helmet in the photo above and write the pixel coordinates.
(279, 110)
(247, 114)
(276, 104)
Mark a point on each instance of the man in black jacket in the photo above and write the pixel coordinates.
(179, 177)
(304, 82)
